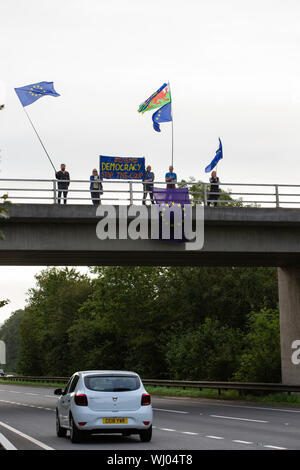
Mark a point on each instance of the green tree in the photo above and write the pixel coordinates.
(226, 294)
(209, 352)
(52, 308)
(199, 189)
(260, 361)
(9, 333)
(122, 322)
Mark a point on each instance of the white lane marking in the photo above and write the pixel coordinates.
(258, 408)
(222, 404)
(237, 441)
(13, 391)
(36, 394)
(240, 419)
(171, 411)
(242, 442)
(26, 404)
(29, 438)
(6, 443)
(275, 447)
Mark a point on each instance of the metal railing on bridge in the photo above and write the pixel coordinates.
(132, 192)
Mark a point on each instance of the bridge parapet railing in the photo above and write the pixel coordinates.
(125, 192)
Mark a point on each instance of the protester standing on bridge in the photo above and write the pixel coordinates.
(148, 186)
(171, 176)
(64, 180)
(96, 187)
(214, 190)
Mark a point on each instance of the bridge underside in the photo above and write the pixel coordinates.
(109, 258)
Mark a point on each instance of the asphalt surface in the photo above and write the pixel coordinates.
(27, 422)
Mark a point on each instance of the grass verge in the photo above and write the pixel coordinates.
(273, 398)
(36, 384)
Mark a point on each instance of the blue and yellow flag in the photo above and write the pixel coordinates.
(30, 93)
(162, 115)
(218, 156)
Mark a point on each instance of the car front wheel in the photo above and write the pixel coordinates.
(146, 435)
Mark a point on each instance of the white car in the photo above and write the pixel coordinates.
(100, 401)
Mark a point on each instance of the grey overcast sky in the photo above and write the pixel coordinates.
(234, 70)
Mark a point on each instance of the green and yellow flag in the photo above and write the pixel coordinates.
(161, 97)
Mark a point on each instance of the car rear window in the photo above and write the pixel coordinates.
(108, 383)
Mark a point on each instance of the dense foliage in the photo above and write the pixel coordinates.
(181, 322)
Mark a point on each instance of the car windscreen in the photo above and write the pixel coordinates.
(112, 383)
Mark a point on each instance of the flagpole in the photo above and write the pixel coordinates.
(39, 139)
(172, 125)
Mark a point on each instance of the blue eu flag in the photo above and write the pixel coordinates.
(218, 156)
(162, 115)
(30, 93)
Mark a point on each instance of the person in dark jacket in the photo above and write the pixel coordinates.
(96, 188)
(214, 190)
(148, 184)
(63, 184)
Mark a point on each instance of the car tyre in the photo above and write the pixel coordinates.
(146, 435)
(60, 432)
(76, 435)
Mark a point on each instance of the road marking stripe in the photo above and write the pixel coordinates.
(6, 443)
(242, 442)
(222, 404)
(275, 447)
(171, 411)
(240, 419)
(190, 433)
(29, 438)
(28, 393)
(26, 404)
(257, 408)
(167, 429)
(215, 437)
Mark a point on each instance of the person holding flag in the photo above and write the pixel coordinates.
(63, 178)
(214, 190)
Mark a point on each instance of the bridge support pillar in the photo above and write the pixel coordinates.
(289, 304)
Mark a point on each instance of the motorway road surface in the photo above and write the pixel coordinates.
(27, 421)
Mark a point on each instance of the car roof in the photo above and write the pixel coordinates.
(107, 372)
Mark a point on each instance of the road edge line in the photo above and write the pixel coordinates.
(4, 442)
(29, 438)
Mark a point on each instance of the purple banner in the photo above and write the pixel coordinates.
(169, 195)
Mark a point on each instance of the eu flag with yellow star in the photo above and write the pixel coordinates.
(30, 93)
(162, 115)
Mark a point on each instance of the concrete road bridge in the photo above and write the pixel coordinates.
(52, 234)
